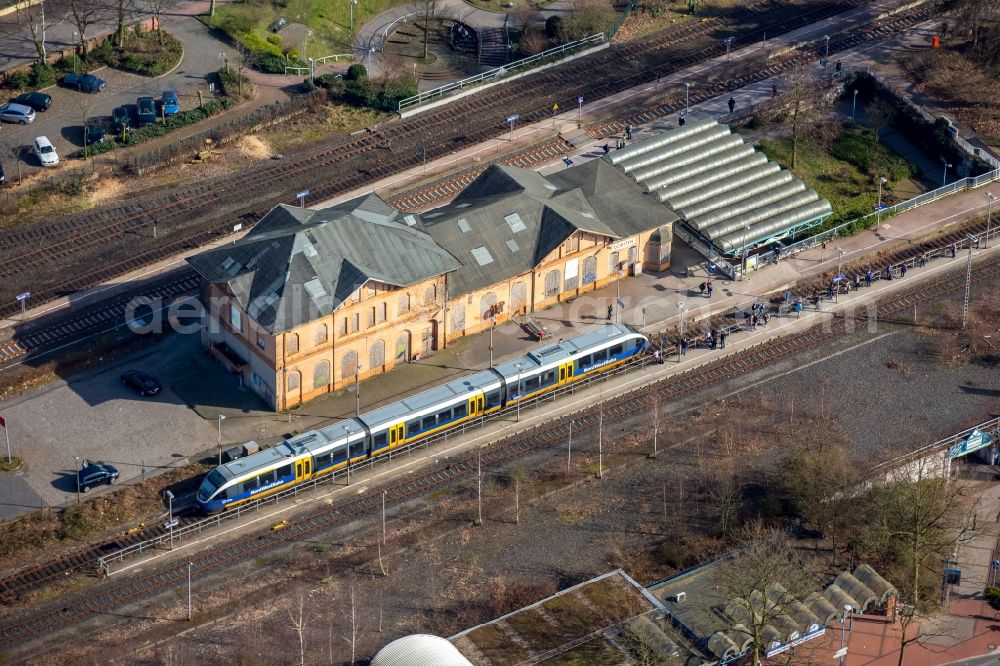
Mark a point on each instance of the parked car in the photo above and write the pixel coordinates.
(38, 101)
(94, 474)
(17, 113)
(45, 151)
(84, 82)
(146, 110)
(170, 104)
(93, 132)
(143, 384)
(121, 119)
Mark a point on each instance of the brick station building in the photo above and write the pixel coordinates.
(312, 300)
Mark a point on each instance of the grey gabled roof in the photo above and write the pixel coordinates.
(507, 220)
(299, 264)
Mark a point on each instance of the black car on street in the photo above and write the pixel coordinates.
(146, 110)
(121, 119)
(93, 132)
(95, 474)
(87, 83)
(38, 101)
(141, 383)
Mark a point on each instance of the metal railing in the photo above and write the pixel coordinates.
(167, 539)
(336, 57)
(552, 54)
(402, 19)
(297, 70)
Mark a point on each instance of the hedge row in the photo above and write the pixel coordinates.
(172, 123)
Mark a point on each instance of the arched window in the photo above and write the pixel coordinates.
(321, 374)
(551, 284)
(613, 264)
(403, 305)
(294, 380)
(348, 365)
(430, 294)
(589, 270)
(488, 306)
(633, 254)
(518, 297)
(377, 355)
(292, 343)
(403, 347)
(458, 318)
(321, 334)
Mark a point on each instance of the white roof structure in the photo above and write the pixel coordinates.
(420, 650)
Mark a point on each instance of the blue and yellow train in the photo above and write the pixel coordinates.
(318, 452)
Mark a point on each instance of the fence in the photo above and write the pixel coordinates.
(402, 19)
(553, 54)
(196, 528)
(613, 30)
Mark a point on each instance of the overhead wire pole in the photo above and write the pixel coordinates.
(968, 284)
(190, 564)
(989, 214)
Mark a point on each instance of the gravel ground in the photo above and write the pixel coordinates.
(880, 388)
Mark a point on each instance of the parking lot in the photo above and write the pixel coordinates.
(63, 122)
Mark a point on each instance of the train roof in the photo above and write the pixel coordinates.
(407, 407)
(258, 460)
(562, 350)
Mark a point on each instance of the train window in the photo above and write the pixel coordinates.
(493, 399)
(323, 460)
(531, 383)
(549, 377)
(249, 485)
(224, 494)
(266, 478)
(429, 422)
(460, 410)
(284, 471)
(380, 440)
(413, 427)
(600, 355)
(444, 417)
(357, 448)
(616, 350)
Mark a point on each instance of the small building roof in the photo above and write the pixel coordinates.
(298, 264)
(509, 219)
(420, 650)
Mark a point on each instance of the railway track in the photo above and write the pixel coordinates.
(188, 217)
(112, 594)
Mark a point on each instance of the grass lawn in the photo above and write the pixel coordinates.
(845, 173)
(328, 22)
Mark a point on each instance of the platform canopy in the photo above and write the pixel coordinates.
(723, 189)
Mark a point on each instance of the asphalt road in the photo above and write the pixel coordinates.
(63, 123)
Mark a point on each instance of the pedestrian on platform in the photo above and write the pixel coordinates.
(701, 289)
(923, 260)
(722, 340)
(798, 308)
(732, 104)
(656, 357)
(954, 250)
(684, 346)
(766, 317)
(868, 278)
(787, 296)
(708, 291)
(857, 282)
(774, 90)
(829, 292)
(902, 270)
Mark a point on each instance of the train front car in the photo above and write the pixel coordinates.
(547, 368)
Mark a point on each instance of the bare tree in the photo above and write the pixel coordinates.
(84, 13)
(429, 10)
(761, 582)
(880, 113)
(33, 16)
(156, 8)
(518, 474)
(802, 86)
(299, 621)
(353, 640)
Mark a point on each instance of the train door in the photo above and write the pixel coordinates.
(397, 434)
(303, 468)
(476, 406)
(566, 373)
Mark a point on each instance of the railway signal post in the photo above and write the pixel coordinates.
(3, 423)
(510, 119)
(22, 299)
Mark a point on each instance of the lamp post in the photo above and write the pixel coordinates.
(618, 294)
(944, 175)
(76, 464)
(843, 620)
(170, 515)
(687, 97)
(357, 388)
(968, 282)
(518, 366)
(493, 324)
(347, 432)
(743, 251)
(840, 261)
(729, 43)
(352, 3)
(681, 311)
(222, 417)
(190, 565)
(827, 56)
(878, 209)
(600, 436)
(384, 493)
(312, 71)
(854, 105)
(989, 213)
